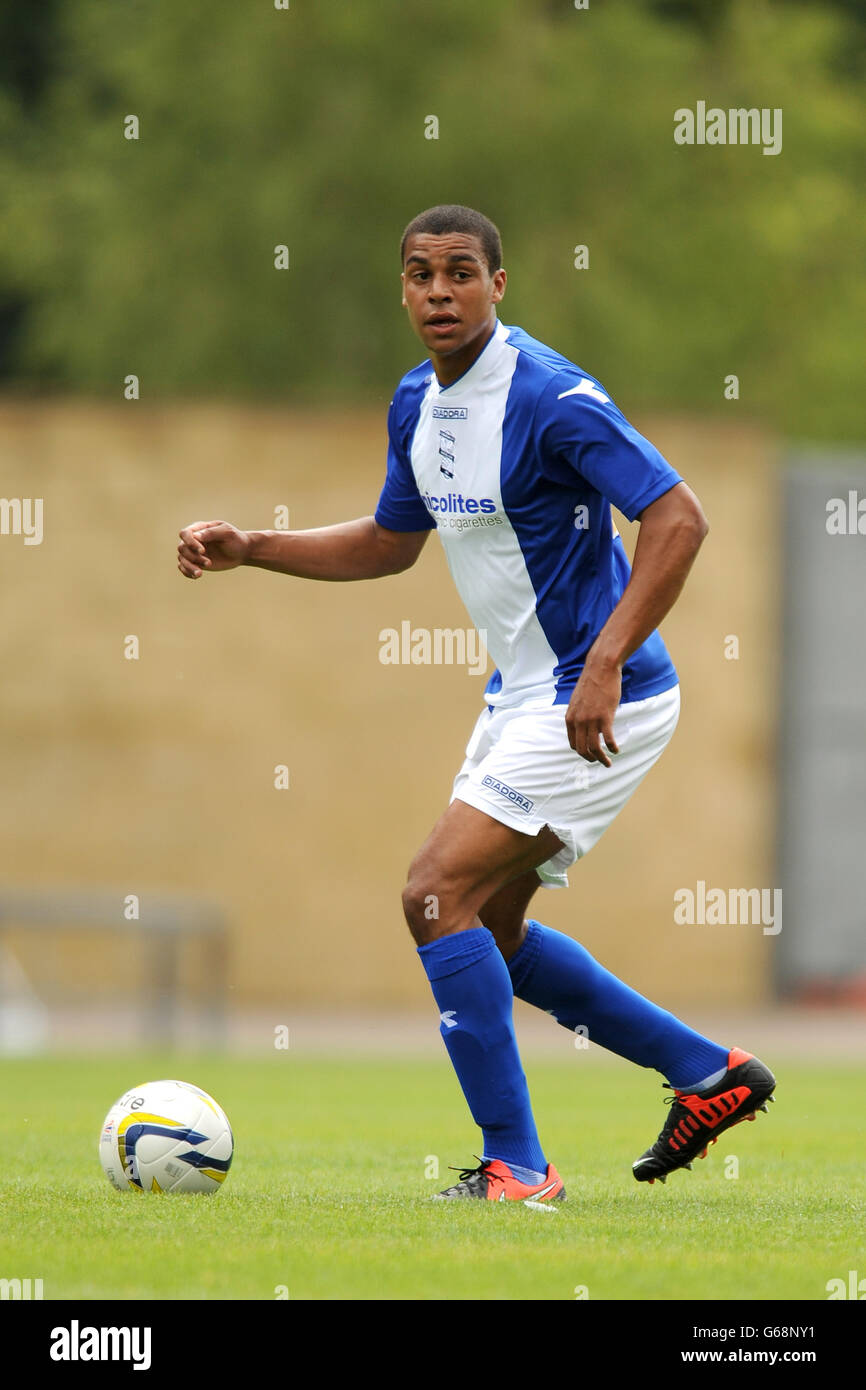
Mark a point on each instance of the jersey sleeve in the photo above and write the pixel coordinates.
(581, 431)
(400, 507)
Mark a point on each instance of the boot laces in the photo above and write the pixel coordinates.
(470, 1176)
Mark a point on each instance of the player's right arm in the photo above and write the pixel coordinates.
(359, 549)
(368, 548)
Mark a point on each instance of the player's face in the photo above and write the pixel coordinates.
(451, 298)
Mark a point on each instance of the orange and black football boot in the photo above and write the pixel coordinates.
(494, 1181)
(697, 1119)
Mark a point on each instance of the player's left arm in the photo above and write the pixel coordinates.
(671, 532)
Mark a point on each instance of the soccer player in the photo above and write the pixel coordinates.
(514, 455)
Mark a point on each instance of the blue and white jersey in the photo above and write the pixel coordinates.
(516, 464)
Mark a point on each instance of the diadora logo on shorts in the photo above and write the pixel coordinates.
(450, 412)
(516, 798)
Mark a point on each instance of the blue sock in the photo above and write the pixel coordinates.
(472, 989)
(558, 975)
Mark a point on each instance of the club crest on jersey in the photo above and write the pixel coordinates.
(446, 453)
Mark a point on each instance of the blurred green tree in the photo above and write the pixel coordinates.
(307, 127)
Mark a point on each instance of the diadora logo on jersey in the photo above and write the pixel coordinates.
(456, 502)
(446, 453)
(449, 1018)
(585, 387)
(516, 798)
(450, 412)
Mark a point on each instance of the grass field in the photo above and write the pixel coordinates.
(328, 1197)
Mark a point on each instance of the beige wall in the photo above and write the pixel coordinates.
(157, 774)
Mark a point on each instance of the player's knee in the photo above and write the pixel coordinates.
(430, 900)
(421, 908)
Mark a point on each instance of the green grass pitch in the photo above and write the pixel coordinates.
(327, 1197)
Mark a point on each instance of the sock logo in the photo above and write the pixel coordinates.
(449, 1018)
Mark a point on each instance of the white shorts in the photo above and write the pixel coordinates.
(521, 769)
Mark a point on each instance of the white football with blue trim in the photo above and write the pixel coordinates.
(166, 1136)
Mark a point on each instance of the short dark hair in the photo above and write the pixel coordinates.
(453, 217)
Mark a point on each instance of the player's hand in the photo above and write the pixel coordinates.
(211, 545)
(589, 717)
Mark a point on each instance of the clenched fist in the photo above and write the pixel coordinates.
(211, 545)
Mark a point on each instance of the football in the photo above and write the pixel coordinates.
(166, 1136)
